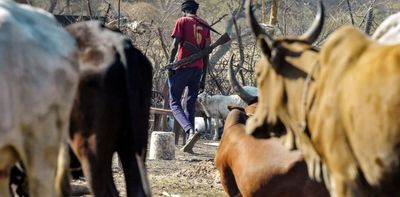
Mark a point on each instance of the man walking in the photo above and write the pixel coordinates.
(190, 34)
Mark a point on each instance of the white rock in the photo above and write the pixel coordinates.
(162, 145)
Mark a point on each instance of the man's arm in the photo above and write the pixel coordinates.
(174, 49)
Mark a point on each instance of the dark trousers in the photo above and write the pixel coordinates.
(185, 77)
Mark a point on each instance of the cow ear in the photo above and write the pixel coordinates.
(231, 107)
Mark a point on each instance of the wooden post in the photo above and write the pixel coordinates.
(157, 122)
(165, 93)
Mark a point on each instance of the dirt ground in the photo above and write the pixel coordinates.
(186, 176)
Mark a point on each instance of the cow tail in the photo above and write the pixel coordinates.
(139, 85)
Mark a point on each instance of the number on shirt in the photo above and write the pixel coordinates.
(197, 34)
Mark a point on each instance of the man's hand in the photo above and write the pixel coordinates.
(171, 72)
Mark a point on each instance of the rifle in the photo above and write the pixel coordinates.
(220, 41)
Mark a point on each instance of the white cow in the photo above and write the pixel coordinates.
(202, 126)
(388, 32)
(216, 106)
(38, 79)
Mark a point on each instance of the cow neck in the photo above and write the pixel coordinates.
(305, 105)
(299, 130)
(311, 156)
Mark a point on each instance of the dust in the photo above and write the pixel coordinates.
(188, 175)
(202, 170)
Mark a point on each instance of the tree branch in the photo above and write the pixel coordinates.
(350, 12)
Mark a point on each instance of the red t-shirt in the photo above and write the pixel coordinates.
(189, 30)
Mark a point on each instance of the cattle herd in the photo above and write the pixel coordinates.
(324, 122)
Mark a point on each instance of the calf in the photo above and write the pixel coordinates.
(111, 109)
(38, 79)
(260, 167)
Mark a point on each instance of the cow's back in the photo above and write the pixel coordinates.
(358, 105)
(35, 65)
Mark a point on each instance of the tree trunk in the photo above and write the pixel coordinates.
(53, 4)
(23, 1)
(89, 9)
(350, 12)
(68, 5)
(273, 19)
(220, 52)
(263, 10)
(369, 21)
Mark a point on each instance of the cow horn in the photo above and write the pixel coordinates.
(258, 31)
(313, 32)
(237, 88)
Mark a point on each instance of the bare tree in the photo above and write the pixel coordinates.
(263, 10)
(53, 4)
(23, 1)
(369, 21)
(89, 9)
(273, 19)
(350, 12)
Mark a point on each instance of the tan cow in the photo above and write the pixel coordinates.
(344, 113)
(38, 79)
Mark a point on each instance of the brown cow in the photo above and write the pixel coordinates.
(261, 167)
(344, 113)
(111, 109)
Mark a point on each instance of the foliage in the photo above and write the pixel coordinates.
(157, 19)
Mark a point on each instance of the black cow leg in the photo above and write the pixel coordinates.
(97, 170)
(102, 180)
(134, 185)
(74, 165)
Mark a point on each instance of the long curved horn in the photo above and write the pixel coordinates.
(237, 88)
(258, 31)
(313, 32)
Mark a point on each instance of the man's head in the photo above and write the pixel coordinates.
(189, 6)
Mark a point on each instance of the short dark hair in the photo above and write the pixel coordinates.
(189, 6)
